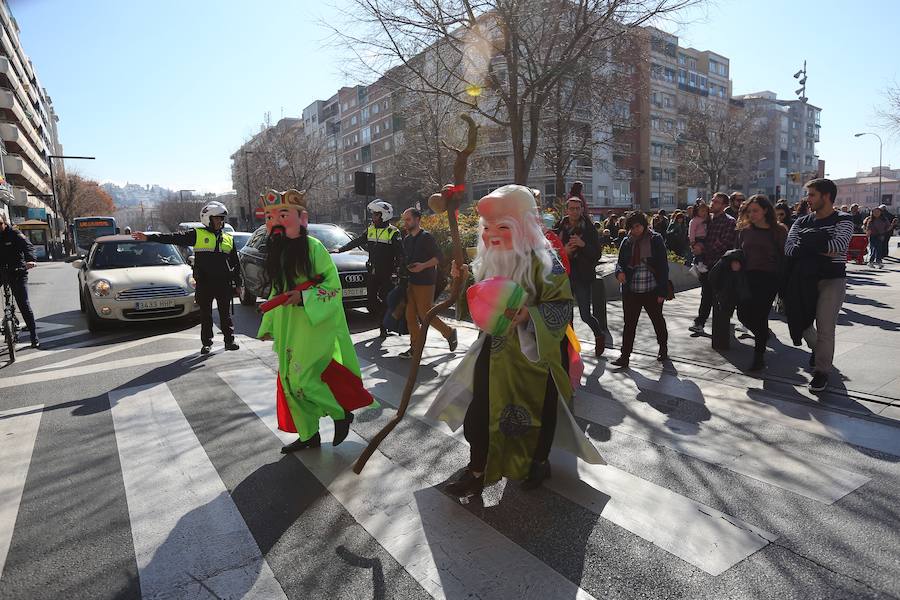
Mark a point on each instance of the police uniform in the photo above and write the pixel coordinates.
(385, 248)
(216, 271)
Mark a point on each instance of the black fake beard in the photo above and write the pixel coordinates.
(286, 259)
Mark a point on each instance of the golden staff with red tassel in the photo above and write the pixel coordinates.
(450, 199)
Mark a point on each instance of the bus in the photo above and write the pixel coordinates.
(38, 233)
(87, 229)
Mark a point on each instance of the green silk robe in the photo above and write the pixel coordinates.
(519, 365)
(305, 349)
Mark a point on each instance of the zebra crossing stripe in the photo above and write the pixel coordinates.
(715, 444)
(189, 537)
(18, 432)
(449, 551)
(704, 537)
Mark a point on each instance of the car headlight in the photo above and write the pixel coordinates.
(101, 288)
(192, 283)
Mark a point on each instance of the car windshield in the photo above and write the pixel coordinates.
(240, 240)
(331, 237)
(120, 255)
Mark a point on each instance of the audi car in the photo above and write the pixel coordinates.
(123, 279)
(351, 265)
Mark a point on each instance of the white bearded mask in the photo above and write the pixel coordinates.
(504, 208)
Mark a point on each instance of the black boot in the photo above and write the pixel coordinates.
(342, 429)
(232, 345)
(313, 442)
(467, 485)
(35, 342)
(536, 475)
(759, 361)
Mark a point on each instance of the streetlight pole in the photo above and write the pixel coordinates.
(880, 147)
(53, 188)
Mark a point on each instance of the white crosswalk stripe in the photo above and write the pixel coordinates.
(189, 537)
(18, 432)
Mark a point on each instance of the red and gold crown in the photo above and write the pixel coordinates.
(272, 200)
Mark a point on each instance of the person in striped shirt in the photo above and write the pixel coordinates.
(824, 234)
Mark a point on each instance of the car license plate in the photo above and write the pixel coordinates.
(151, 304)
(355, 292)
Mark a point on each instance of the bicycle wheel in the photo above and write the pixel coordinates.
(10, 338)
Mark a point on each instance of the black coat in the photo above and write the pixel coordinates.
(731, 287)
(15, 250)
(584, 260)
(658, 263)
(800, 295)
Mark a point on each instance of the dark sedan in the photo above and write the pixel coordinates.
(351, 265)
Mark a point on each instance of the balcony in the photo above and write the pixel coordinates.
(16, 167)
(12, 136)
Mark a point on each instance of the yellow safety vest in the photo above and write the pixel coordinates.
(206, 242)
(382, 235)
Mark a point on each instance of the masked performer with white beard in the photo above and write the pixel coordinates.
(318, 371)
(511, 393)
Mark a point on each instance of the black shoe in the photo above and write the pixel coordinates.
(342, 429)
(452, 341)
(382, 333)
(663, 355)
(35, 342)
(205, 349)
(313, 442)
(759, 362)
(600, 346)
(696, 327)
(812, 359)
(622, 361)
(467, 485)
(405, 354)
(538, 472)
(819, 382)
(232, 346)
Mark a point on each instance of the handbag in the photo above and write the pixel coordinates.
(670, 287)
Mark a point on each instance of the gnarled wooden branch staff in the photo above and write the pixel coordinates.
(449, 199)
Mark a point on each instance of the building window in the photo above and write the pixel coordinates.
(387, 125)
(353, 120)
(670, 75)
(377, 129)
(375, 109)
(387, 144)
(655, 173)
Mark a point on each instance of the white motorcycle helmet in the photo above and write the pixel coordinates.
(380, 206)
(213, 209)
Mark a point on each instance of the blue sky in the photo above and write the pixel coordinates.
(163, 92)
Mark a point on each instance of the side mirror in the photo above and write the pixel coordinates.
(190, 260)
(77, 263)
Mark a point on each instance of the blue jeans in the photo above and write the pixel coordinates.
(582, 293)
(876, 248)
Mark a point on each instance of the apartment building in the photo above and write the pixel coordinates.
(794, 127)
(673, 77)
(863, 189)
(28, 130)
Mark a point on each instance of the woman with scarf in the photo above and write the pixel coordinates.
(643, 272)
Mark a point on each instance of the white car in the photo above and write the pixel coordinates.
(123, 279)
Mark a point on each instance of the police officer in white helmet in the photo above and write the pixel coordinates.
(216, 270)
(384, 244)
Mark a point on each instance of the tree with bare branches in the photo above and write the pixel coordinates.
(720, 141)
(282, 156)
(177, 209)
(499, 59)
(890, 114)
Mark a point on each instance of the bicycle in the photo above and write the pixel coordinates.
(9, 327)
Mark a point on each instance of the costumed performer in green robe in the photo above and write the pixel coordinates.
(511, 393)
(318, 371)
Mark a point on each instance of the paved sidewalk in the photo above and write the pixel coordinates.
(867, 376)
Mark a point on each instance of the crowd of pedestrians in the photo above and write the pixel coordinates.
(746, 254)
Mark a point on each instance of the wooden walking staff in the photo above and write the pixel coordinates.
(449, 199)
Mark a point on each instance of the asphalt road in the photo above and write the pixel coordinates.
(136, 468)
